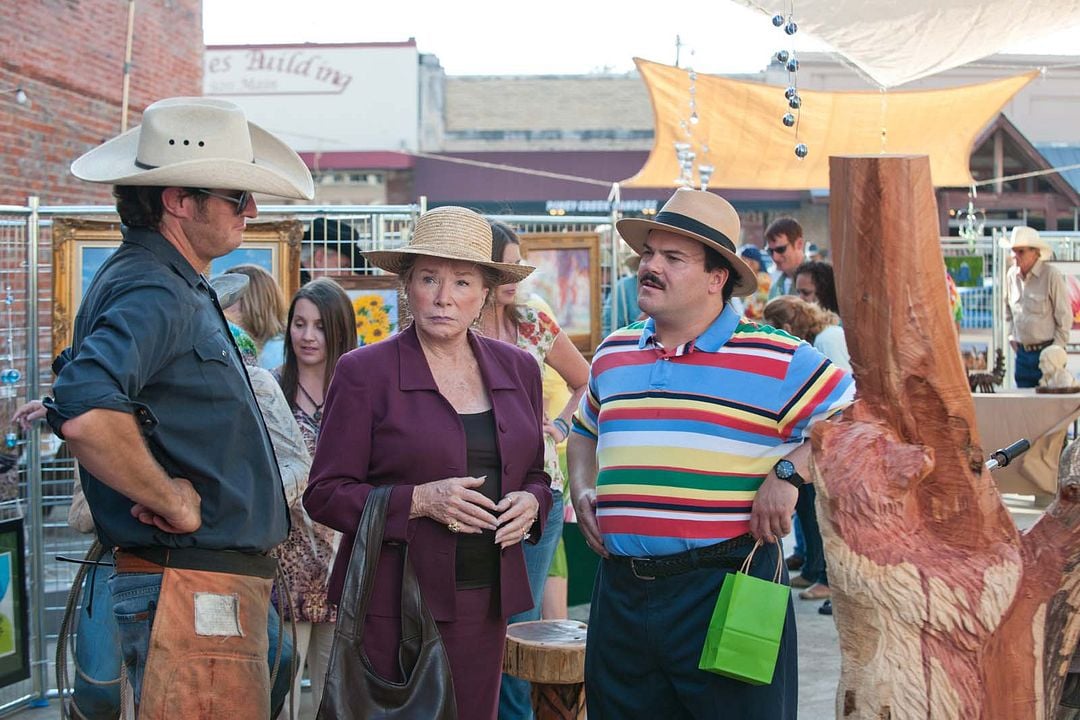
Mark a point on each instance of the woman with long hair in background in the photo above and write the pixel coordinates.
(538, 333)
(261, 313)
(321, 329)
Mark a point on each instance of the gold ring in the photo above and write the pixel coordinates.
(454, 526)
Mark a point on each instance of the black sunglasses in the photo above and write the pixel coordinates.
(779, 249)
(241, 201)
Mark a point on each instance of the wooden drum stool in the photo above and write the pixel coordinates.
(551, 655)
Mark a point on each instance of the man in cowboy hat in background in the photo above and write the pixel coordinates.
(175, 458)
(1036, 303)
(689, 443)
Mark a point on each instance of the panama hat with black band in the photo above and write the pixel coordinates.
(198, 143)
(701, 216)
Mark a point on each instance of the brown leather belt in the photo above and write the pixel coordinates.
(1037, 346)
(156, 559)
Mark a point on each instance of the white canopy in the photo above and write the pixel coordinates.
(895, 42)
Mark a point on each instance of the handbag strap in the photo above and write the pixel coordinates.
(364, 561)
(746, 563)
(413, 618)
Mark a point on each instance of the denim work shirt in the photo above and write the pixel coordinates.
(151, 340)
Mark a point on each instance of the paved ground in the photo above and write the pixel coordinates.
(819, 652)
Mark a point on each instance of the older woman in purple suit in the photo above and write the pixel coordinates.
(452, 420)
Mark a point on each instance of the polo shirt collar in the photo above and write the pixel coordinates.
(165, 252)
(715, 336)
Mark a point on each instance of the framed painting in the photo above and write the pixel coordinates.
(81, 247)
(377, 307)
(1071, 271)
(567, 277)
(14, 630)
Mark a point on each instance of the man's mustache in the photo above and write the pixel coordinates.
(651, 279)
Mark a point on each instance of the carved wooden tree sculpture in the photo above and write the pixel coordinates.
(944, 609)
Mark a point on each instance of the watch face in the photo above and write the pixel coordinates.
(785, 469)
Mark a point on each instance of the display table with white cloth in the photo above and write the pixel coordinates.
(1004, 418)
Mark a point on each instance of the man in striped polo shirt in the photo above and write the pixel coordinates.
(689, 444)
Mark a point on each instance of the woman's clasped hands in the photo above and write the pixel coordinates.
(457, 504)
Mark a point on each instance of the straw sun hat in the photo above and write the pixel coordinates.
(452, 233)
(198, 142)
(702, 216)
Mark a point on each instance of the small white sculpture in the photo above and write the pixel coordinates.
(1052, 362)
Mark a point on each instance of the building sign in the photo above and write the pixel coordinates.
(323, 98)
(571, 207)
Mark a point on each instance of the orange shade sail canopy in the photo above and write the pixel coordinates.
(750, 148)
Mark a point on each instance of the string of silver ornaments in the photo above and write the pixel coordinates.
(791, 94)
(684, 149)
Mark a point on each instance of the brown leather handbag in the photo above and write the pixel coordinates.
(353, 690)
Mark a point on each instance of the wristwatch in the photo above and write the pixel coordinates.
(785, 470)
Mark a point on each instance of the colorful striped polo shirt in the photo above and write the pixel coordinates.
(686, 436)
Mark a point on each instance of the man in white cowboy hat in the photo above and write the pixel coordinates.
(688, 445)
(1036, 303)
(175, 458)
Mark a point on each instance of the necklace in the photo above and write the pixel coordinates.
(317, 416)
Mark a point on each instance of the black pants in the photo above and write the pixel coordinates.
(644, 644)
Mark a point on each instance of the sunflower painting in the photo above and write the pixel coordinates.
(376, 314)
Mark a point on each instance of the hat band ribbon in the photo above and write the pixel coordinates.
(691, 225)
(146, 166)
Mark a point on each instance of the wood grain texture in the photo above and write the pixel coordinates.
(943, 608)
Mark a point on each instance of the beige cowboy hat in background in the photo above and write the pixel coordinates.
(702, 216)
(1023, 236)
(202, 143)
(452, 233)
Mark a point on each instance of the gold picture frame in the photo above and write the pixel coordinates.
(567, 277)
(80, 246)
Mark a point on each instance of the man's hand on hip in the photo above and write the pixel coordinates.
(184, 516)
(770, 518)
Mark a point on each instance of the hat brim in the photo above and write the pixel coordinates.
(635, 231)
(395, 260)
(276, 169)
(1042, 246)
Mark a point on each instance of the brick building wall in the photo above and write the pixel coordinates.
(68, 55)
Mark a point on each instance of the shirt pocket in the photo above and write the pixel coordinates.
(212, 348)
(1035, 304)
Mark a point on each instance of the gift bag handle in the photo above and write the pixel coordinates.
(749, 558)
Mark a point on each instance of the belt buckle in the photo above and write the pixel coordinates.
(633, 569)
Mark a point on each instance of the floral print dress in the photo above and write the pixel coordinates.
(536, 333)
(308, 552)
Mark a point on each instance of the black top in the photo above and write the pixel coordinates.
(477, 555)
(150, 339)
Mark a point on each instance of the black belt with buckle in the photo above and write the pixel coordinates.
(1037, 347)
(720, 555)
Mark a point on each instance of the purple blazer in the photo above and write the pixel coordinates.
(385, 423)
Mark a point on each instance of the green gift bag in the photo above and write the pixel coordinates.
(744, 633)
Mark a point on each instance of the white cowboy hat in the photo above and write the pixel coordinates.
(702, 216)
(198, 142)
(1023, 236)
(452, 233)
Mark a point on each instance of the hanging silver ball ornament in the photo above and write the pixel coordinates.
(789, 120)
(794, 102)
(792, 65)
(790, 93)
(782, 56)
(777, 20)
(791, 28)
(801, 151)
